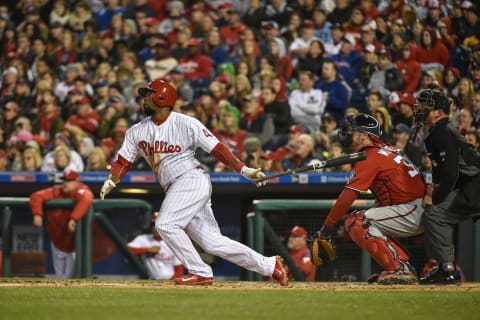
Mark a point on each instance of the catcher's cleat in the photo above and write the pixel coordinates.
(410, 268)
(399, 276)
(439, 276)
(193, 280)
(279, 273)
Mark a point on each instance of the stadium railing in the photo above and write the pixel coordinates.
(84, 231)
(259, 229)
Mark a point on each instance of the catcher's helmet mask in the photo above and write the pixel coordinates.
(428, 100)
(361, 122)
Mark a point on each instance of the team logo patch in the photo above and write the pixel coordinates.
(352, 174)
(158, 147)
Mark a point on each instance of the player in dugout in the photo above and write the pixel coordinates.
(300, 252)
(156, 255)
(62, 223)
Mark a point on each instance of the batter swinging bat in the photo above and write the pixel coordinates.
(350, 158)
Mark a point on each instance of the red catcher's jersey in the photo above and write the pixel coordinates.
(390, 176)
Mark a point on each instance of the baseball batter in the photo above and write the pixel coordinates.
(167, 140)
(399, 189)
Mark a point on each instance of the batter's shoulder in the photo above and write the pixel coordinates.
(139, 125)
(182, 118)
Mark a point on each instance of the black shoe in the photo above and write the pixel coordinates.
(439, 276)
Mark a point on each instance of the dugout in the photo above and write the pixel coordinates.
(232, 200)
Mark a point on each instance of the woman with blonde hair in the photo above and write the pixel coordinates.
(383, 118)
(31, 160)
(218, 90)
(248, 55)
(228, 131)
(76, 135)
(97, 160)
(102, 72)
(242, 88)
(215, 47)
(62, 158)
(465, 92)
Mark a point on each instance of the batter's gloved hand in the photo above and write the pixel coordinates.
(252, 174)
(323, 249)
(108, 186)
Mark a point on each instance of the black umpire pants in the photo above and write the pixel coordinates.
(439, 223)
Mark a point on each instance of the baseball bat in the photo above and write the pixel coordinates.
(349, 158)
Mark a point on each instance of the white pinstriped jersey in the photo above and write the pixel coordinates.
(168, 147)
(160, 265)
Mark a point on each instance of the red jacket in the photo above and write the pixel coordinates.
(58, 219)
(197, 67)
(303, 261)
(411, 72)
(232, 34)
(232, 140)
(89, 123)
(437, 53)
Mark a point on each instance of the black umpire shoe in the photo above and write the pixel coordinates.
(439, 276)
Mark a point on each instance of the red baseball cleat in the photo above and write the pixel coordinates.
(279, 273)
(193, 280)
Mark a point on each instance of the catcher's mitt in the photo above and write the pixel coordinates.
(323, 252)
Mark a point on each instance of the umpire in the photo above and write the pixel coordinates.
(454, 194)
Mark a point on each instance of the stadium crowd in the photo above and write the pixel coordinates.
(271, 79)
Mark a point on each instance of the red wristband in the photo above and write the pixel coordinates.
(238, 166)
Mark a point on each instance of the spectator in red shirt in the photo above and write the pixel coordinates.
(432, 53)
(231, 32)
(228, 131)
(85, 117)
(49, 122)
(410, 69)
(369, 9)
(196, 65)
(394, 10)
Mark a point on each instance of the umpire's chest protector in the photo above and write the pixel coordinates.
(468, 165)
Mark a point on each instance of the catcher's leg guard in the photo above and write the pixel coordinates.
(388, 254)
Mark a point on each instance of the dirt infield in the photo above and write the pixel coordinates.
(229, 285)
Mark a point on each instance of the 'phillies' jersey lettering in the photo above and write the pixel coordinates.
(158, 147)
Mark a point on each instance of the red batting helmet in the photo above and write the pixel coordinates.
(165, 95)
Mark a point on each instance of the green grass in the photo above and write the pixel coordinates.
(104, 303)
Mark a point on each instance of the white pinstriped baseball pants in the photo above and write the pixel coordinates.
(186, 212)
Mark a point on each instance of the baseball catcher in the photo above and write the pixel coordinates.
(399, 189)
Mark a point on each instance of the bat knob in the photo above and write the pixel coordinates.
(317, 164)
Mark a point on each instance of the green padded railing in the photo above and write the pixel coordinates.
(84, 233)
(258, 229)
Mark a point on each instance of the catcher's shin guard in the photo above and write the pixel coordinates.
(388, 254)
